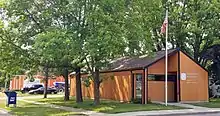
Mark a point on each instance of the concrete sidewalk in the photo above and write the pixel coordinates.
(4, 112)
(189, 106)
(167, 112)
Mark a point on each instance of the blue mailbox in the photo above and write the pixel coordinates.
(11, 98)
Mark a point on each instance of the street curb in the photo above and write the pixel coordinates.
(176, 114)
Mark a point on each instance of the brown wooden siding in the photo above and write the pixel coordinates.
(17, 82)
(116, 86)
(195, 87)
(156, 90)
(159, 67)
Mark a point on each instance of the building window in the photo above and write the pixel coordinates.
(161, 78)
(138, 86)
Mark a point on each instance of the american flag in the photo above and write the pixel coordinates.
(163, 27)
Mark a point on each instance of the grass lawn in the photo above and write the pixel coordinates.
(107, 106)
(213, 103)
(2, 94)
(27, 109)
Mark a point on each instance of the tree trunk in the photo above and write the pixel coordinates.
(196, 54)
(6, 85)
(6, 82)
(96, 87)
(66, 97)
(78, 86)
(46, 81)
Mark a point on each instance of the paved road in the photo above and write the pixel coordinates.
(208, 114)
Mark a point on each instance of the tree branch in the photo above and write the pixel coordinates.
(88, 65)
(33, 19)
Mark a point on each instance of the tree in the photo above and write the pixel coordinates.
(192, 25)
(212, 55)
(54, 48)
(107, 23)
(13, 58)
(43, 50)
(77, 64)
(33, 18)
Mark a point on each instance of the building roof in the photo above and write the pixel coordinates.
(138, 62)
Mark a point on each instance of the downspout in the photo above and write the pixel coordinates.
(143, 88)
(179, 93)
(146, 84)
(132, 87)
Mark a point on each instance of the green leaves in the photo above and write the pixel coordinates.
(63, 32)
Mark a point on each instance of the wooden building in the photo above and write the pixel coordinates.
(143, 78)
(18, 81)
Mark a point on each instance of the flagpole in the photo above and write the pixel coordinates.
(166, 59)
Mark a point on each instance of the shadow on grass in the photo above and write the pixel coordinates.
(107, 106)
(27, 109)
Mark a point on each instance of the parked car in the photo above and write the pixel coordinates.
(60, 86)
(30, 87)
(41, 91)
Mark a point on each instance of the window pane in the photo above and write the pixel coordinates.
(138, 85)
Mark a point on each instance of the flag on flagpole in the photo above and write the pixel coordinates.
(164, 29)
(164, 25)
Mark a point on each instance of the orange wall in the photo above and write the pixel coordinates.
(195, 87)
(173, 63)
(119, 87)
(159, 67)
(116, 86)
(17, 82)
(156, 90)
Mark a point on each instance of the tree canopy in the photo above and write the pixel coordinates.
(71, 34)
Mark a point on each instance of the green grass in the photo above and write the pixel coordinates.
(2, 94)
(213, 103)
(27, 109)
(107, 106)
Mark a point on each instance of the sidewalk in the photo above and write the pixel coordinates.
(3, 112)
(189, 106)
(168, 112)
